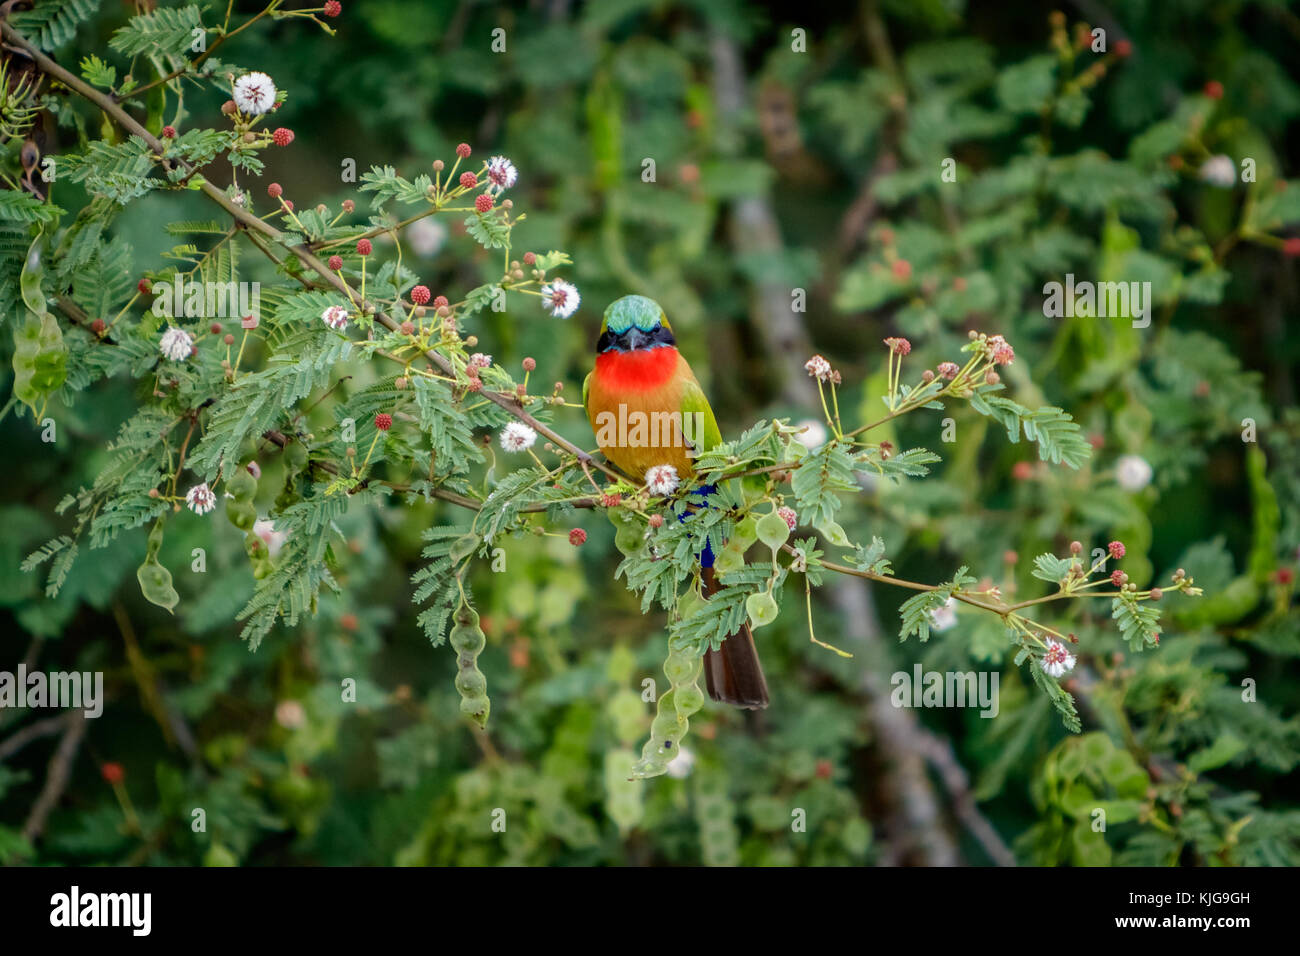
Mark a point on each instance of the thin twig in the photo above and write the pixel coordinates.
(56, 779)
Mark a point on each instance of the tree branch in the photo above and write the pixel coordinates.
(507, 401)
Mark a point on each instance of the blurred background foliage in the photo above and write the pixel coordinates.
(782, 161)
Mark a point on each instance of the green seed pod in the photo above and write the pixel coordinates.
(672, 719)
(746, 533)
(156, 584)
(468, 640)
(476, 708)
(761, 608)
(464, 546)
(622, 794)
(242, 485)
(691, 601)
(629, 533)
(242, 514)
(772, 530)
(470, 680)
(834, 534)
(729, 559)
(629, 539)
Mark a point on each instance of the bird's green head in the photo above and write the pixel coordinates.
(634, 322)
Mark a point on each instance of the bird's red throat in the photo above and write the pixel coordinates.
(638, 370)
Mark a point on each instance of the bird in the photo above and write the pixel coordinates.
(641, 379)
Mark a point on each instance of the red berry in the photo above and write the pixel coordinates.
(530, 258)
(1116, 549)
(440, 302)
(1291, 248)
(336, 263)
(902, 269)
(288, 204)
(1117, 578)
(656, 520)
(1123, 48)
(144, 286)
(463, 150)
(383, 421)
(169, 132)
(275, 190)
(215, 328)
(282, 136)
(349, 205)
(1022, 471)
(332, 8)
(468, 180)
(420, 294)
(1285, 575)
(577, 536)
(530, 364)
(98, 326)
(824, 769)
(483, 203)
(112, 772)
(348, 622)
(1214, 90)
(363, 247)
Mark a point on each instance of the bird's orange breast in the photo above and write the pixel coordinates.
(634, 403)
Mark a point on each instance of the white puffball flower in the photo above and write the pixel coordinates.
(818, 368)
(662, 479)
(200, 499)
(944, 617)
(1133, 472)
(814, 434)
(517, 436)
(336, 316)
(176, 344)
(254, 94)
(290, 714)
(1219, 171)
(679, 768)
(426, 236)
(561, 298)
(264, 528)
(501, 174)
(1057, 660)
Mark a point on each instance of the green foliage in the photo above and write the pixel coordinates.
(342, 544)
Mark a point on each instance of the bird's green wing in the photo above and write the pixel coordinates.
(586, 390)
(693, 401)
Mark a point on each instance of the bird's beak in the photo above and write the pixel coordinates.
(636, 338)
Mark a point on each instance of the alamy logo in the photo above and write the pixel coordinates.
(1100, 299)
(134, 910)
(942, 689)
(206, 300)
(640, 429)
(56, 689)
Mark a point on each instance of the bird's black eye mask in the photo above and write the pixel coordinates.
(635, 338)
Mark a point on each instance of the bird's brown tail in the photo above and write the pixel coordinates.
(733, 674)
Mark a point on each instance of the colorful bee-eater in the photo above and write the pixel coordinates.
(648, 409)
